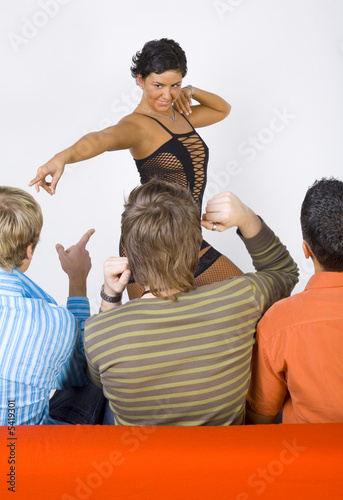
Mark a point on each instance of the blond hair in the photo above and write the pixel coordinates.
(161, 236)
(21, 222)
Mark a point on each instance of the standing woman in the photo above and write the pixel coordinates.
(161, 137)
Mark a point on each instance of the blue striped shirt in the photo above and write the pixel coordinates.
(40, 348)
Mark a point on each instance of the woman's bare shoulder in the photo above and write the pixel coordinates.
(134, 119)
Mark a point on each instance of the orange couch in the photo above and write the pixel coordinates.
(273, 462)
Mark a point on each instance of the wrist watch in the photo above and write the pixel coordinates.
(108, 298)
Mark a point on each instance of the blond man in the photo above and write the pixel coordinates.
(40, 343)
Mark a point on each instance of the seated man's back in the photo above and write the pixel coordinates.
(39, 348)
(298, 356)
(40, 343)
(303, 336)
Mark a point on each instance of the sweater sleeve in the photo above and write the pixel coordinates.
(277, 273)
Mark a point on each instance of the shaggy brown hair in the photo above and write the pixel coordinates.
(161, 236)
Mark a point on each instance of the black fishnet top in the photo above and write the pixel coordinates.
(182, 160)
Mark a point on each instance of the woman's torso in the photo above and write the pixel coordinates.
(181, 157)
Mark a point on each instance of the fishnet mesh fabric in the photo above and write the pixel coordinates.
(197, 153)
(222, 269)
(168, 167)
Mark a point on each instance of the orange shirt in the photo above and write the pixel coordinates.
(298, 355)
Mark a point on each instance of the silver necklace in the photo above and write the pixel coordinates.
(172, 118)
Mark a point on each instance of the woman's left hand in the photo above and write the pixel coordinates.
(184, 102)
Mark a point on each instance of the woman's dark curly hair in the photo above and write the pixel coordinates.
(158, 56)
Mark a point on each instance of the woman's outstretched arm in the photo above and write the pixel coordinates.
(124, 135)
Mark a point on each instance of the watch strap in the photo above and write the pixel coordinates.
(108, 298)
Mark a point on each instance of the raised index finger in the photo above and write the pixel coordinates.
(85, 238)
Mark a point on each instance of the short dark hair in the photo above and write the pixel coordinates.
(322, 222)
(161, 236)
(158, 56)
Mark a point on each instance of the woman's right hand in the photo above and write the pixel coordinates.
(55, 168)
(124, 135)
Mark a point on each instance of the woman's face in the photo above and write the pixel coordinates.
(160, 90)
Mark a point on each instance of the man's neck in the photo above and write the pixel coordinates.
(147, 294)
(317, 267)
(24, 266)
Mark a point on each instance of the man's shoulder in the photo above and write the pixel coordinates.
(285, 313)
(95, 321)
(30, 301)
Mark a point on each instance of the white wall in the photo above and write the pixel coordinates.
(65, 72)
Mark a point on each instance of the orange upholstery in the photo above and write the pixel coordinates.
(273, 462)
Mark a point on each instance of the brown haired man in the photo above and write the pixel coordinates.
(180, 355)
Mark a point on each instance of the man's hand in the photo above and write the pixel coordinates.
(116, 278)
(116, 275)
(76, 262)
(227, 210)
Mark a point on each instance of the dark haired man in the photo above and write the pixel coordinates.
(298, 356)
(180, 354)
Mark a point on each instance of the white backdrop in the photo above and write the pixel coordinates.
(65, 72)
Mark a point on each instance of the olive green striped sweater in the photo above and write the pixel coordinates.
(188, 362)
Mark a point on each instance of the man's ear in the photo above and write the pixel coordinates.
(29, 252)
(27, 260)
(307, 250)
(309, 254)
